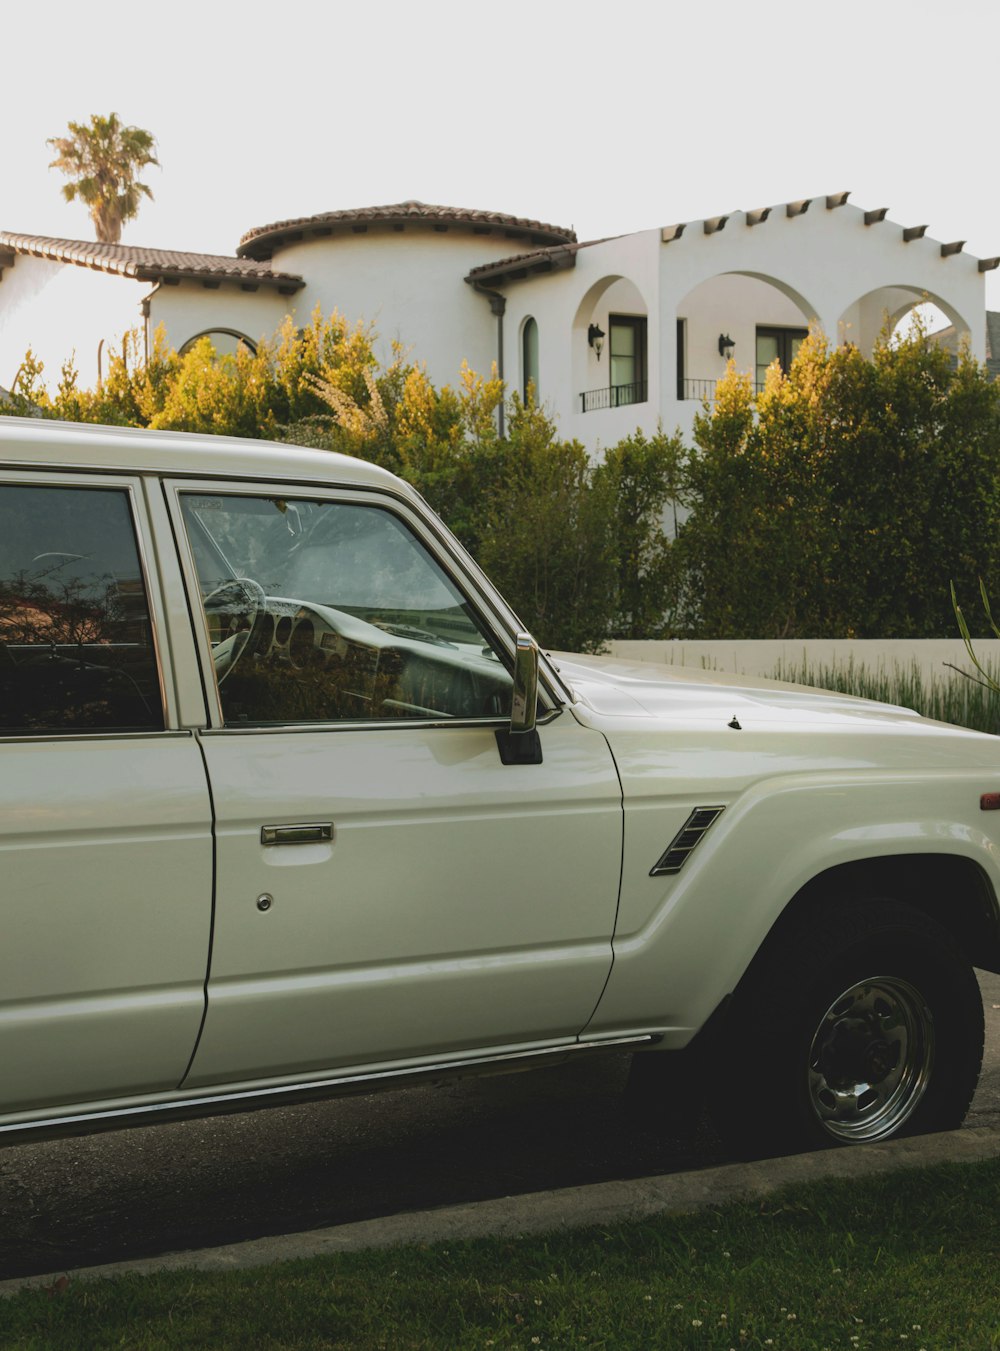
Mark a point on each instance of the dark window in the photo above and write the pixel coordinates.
(681, 337)
(76, 647)
(529, 359)
(777, 344)
(627, 362)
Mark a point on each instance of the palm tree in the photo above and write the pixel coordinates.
(103, 160)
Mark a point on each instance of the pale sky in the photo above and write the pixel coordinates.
(610, 118)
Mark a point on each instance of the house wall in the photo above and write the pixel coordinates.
(837, 271)
(734, 305)
(614, 276)
(410, 285)
(189, 308)
(62, 312)
(825, 266)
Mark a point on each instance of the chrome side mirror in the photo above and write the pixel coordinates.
(520, 744)
(524, 704)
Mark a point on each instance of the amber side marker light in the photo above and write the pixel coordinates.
(989, 802)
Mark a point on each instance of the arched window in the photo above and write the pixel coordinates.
(224, 340)
(529, 358)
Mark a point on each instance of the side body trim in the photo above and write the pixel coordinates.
(249, 1100)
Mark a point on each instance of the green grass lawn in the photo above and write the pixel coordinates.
(907, 1260)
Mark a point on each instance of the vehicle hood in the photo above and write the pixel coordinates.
(713, 728)
(644, 689)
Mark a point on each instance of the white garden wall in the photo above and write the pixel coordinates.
(763, 657)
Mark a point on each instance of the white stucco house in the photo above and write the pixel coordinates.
(615, 333)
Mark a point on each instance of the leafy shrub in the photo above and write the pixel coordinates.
(842, 500)
(578, 550)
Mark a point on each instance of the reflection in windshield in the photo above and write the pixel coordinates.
(355, 558)
(333, 610)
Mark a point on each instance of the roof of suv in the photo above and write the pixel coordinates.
(133, 450)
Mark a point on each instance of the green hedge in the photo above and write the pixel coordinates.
(840, 502)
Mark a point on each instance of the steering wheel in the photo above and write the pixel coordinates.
(237, 607)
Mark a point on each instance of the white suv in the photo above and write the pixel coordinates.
(289, 806)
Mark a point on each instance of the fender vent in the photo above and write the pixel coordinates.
(687, 839)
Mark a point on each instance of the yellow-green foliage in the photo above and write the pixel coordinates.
(543, 522)
(839, 501)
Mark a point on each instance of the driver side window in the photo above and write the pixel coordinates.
(323, 611)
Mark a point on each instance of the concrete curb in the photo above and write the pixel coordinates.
(602, 1203)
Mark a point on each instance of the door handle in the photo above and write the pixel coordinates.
(311, 832)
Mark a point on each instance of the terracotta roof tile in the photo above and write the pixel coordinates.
(555, 258)
(260, 242)
(129, 260)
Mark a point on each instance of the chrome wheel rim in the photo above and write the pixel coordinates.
(870, 1060)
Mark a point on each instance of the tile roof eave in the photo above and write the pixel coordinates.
(286, 283)
(536, 263)
(147, 265)
(263, 240)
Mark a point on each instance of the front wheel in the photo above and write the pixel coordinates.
(858, 1021)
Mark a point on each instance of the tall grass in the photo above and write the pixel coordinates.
(950, 697)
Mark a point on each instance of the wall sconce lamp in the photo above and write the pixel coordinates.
(595, 336)
(726, 346)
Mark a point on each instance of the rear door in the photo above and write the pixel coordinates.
(105, 823)
(387, 889)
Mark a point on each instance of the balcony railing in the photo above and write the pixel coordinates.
(614, 396)
(703, 389)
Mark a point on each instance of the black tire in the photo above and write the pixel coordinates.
(859, 1020)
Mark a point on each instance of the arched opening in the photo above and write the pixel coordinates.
(926, 316)
(226, 341)
(611, 356)
(529, 360)
(895, 309)
(747, 317)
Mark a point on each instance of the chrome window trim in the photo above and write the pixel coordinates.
(173, 732)
(556, 689)
(428, 531)
(370, 725)
(443, 538)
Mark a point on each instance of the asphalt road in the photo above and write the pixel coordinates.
(136, 1193)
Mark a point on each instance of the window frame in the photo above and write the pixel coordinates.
(785, 334)
(528, 376)
(681, 361)
(132, 488)
(495, 624)
(639, 324)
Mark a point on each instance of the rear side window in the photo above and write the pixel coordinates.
(76, 646)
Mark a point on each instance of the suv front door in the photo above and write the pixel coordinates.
(387, 889)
